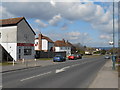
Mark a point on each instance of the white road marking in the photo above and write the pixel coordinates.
(36, 76)
(59, 70)
(75, 65)
(62, 69)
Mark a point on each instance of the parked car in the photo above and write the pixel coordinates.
(107, 57)
(79, 56)
(72, 57)
(59, 58)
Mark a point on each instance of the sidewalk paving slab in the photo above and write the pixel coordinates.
(106, 77)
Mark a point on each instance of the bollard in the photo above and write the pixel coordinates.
(23, 61)
(13, 62)
(35, 62)
(26, 63)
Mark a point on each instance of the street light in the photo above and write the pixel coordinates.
(113, 43)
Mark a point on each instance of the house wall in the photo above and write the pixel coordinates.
(11, 48)
(50, 45)
(1, 57)
(36, 44)
(9, 40)
(62, 49)
(21, 54)
(8, 34)
(25, 35)
(44, 44)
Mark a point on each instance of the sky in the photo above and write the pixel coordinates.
(88, 23)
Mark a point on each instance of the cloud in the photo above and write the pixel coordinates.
(37, 31)
(104, 37)
(55, 20)
(40, 23)
(40, 10)
(4, 13)
(64, 26)
(106, 28)
(52, 13)
(74, 34)
(52, 2)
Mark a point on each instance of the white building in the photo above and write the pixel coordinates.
(62, 46)
(17, 37)
(43, 43)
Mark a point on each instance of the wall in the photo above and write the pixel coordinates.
(50, 45)
(22, 56)
(11, 48)
(1, 58)
(25, 35)
(62, 49)
(41, 54)
(9, 39)
(36, 44)
(44, 44)
(4, 55)
(8, 34)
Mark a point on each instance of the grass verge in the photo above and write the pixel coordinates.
(6, 63)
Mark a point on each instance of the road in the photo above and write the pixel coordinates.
(70, 74)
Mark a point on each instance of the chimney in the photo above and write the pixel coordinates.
(67, 41)
(63, 40)
(40, 41)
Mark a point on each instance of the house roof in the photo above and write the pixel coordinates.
(13, 22)
(10, 21)
(47, 38)
(62, 43)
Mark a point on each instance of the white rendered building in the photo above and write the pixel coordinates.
(17, 38)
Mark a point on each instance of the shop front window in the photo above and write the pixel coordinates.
(27, 51)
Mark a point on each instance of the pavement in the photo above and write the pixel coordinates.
(106, 77)
(27, 64)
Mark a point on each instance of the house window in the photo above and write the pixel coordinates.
(27, 51)
(25, 36)
(36, 42)
(19, 50)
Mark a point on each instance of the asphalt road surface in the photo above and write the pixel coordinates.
(70, 74)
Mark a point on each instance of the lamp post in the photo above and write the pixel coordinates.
(113, 56)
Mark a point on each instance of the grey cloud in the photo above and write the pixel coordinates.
(39, 10)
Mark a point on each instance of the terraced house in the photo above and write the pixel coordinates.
(17, 38)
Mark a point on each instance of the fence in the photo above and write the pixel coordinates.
(49, 54)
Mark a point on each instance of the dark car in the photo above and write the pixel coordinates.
(59, 58)
(79, 56)
(72, 57)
